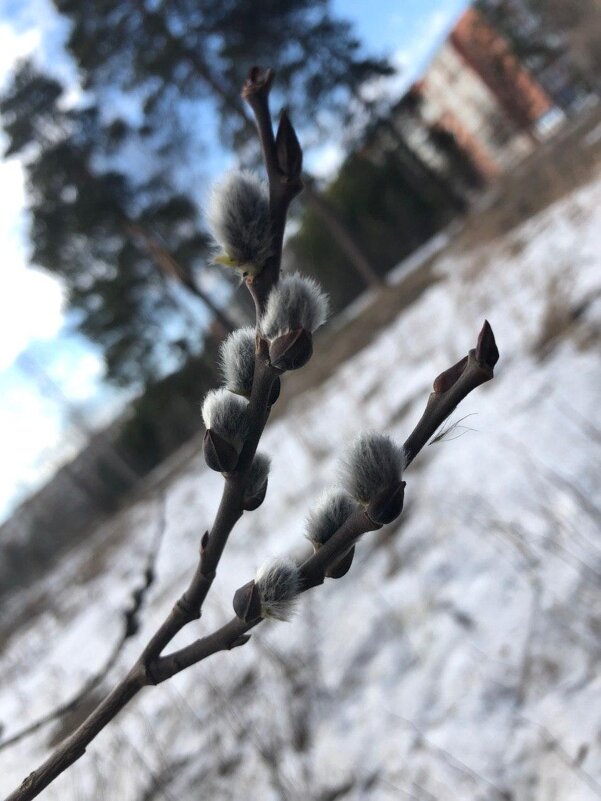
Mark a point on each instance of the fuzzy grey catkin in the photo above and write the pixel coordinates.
(334, 509)
(278, 583)
(226, 414)
(373, 463)
(295, 302)
(238, 218)
(237, 360)
(257, 474)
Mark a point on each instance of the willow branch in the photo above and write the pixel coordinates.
(282, 189)
(187, 608)
(450, 387)
(283, 160)
(282, 155)
(74, 747)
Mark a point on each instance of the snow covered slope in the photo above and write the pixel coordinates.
(459, 659)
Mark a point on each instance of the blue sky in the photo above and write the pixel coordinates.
(34, 431)
(409, 28)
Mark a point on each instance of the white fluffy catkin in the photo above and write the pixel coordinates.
(237, 360)
(226, 414)
(238, 217)
(372, 463)
(278, 583)
(333, 509)
(258, 474)
(295, 302)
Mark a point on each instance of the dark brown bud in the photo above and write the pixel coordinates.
(291, 350)
(341, 566)
(241, 640)
(448, 377)
(288, 149)
(259, 80)
(220, 455)
(254, 501)
(487, 352)
(387, 505)
(204, 541)
(275, 390)
(247, 602)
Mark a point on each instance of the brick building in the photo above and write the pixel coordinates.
(475, 91)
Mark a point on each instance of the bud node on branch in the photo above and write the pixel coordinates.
(387, 505)
(278, 585)
(239, 220)
(247, 602)
(288, 149)
(340, 567)
(259, 81)
(291, 351)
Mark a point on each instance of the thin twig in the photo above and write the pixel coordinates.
(282, 155)
(565, 757)
(454, 762)
(451, 387)
(131, 625)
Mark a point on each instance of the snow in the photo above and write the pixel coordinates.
(458, 658)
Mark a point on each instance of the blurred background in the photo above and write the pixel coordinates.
(452, 173)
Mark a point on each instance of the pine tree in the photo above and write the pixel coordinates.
(194, 51)
(205, 48)
(117, 241)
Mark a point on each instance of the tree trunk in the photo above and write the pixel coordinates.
(165, 261)
(341, 233)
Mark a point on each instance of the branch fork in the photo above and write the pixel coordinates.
(332, 558)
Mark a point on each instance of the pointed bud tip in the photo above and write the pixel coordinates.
(275, 391)
(291, 350)
(241, 640)
(342, 566)
(219, 454)
(387, 505)
(247, 602)
(288, 149)
(254, 501)
(487, 352)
